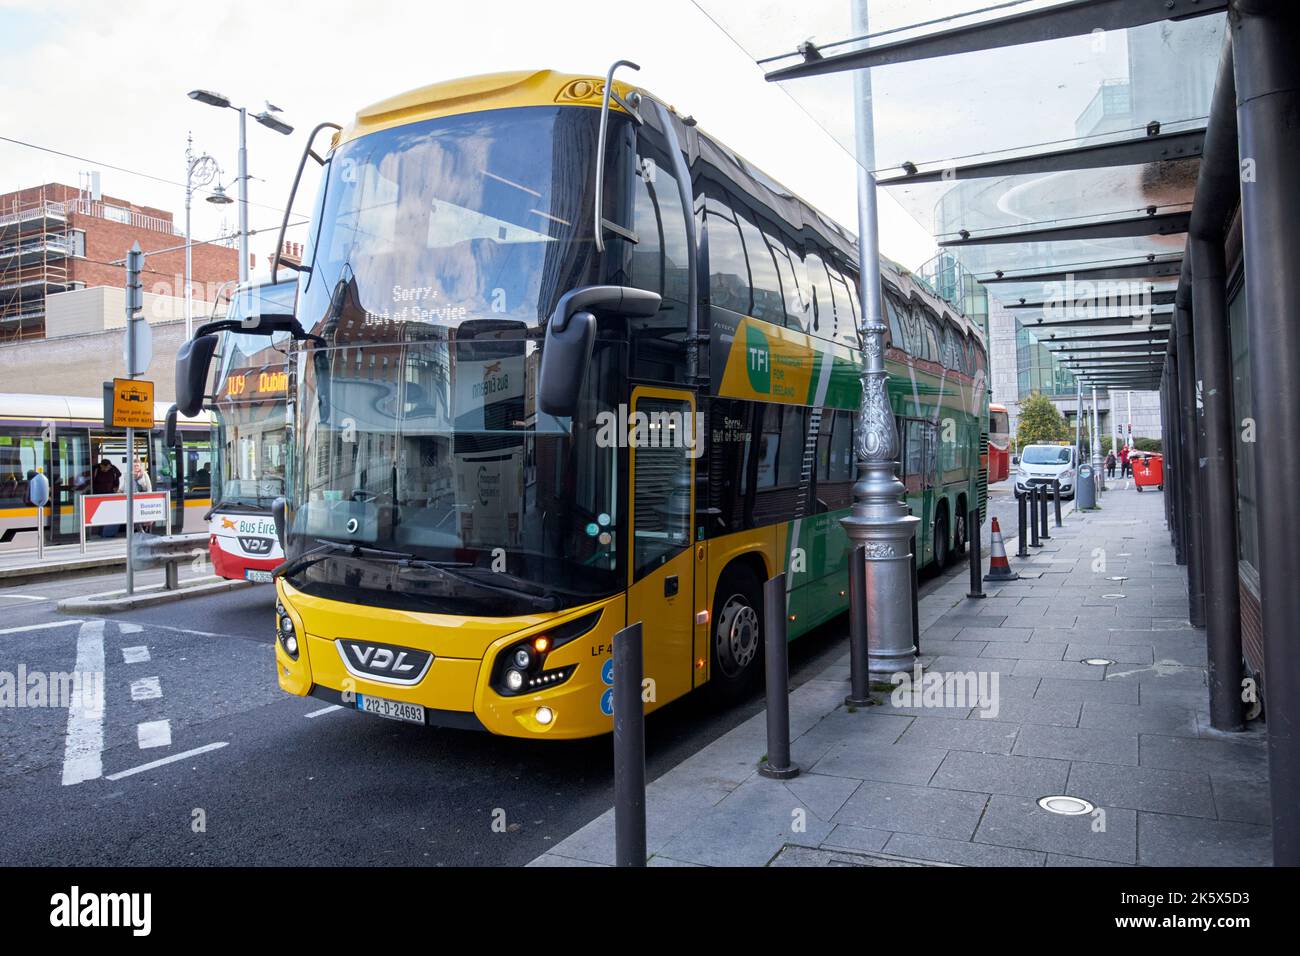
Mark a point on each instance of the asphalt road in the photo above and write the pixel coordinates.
(201, 759)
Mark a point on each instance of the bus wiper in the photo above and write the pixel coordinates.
(545, 601)
(308, 558)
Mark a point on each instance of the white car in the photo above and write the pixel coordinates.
(1040, 464)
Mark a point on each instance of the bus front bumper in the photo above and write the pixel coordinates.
(460, 686)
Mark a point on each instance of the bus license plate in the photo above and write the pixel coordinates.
(392, 709)
(257, 577)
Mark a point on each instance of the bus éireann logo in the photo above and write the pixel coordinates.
(758, 360)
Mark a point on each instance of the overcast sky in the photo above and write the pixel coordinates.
(108, 82)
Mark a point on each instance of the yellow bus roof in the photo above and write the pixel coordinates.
(490, 91)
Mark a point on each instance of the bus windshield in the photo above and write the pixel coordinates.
(250, 441)
(482, 215)
(1046, 455)
(433, 450)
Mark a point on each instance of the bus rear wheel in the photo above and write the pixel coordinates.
(737, 644)
(941, 550)
(959, 535)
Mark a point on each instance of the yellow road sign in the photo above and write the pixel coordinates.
(132, 403)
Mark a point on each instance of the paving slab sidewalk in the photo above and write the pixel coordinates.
(957, 782)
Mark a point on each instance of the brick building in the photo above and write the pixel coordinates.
(57, 238)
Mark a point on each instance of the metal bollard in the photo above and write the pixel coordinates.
(1033, 517)
(1056, 494)
(1022, 531)
(1042, 513)
(629, 749)
(976, 565)
(916, 617)
(777, 667)
(859, 666)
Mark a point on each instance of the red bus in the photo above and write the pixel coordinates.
(999, 443)
(249, 438)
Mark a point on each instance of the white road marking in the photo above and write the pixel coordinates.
(166, 760)
(146, 688)
(154, 733)
(129, 628)
(324, 710)
(23, 597)
(40, 627)
(135, 655)
(179, 630)
(83, 745)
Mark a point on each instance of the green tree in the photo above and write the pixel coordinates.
(1040, 421)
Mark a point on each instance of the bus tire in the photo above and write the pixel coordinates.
(959, 534)
(942, 553)
(736, 641)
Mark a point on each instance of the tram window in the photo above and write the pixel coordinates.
(20, 455)
(198, 468)
(768, 304)
(728, 271)
(819, 290)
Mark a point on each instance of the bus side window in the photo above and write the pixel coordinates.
(823, 311)
(728, 270)
(659, 262)
(768, 304)
(896, 337)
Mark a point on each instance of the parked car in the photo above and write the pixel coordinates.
(1041, 464)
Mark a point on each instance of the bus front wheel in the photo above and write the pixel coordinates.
(737, 645)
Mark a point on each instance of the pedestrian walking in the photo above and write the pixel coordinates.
(1124, 462)
(1110, 464)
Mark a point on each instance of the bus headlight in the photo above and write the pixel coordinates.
(514, 679)
(284, 631)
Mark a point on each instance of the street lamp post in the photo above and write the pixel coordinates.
(265, 118)
(199, 171)
(879, 521)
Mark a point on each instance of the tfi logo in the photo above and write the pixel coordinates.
(384, 662)
(758, 361)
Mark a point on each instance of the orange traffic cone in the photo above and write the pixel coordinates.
(999, 566)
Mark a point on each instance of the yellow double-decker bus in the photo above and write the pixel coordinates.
(566, 363)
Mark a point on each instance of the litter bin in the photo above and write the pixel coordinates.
(1085, 489)
(1149, 471)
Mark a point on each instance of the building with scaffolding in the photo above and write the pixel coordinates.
(57, 239)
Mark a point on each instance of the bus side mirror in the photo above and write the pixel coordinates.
(169, 428)
(192, 362)
(277, 516)
(571, 334)
(565, 357)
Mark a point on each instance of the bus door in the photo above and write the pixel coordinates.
(661, 589)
